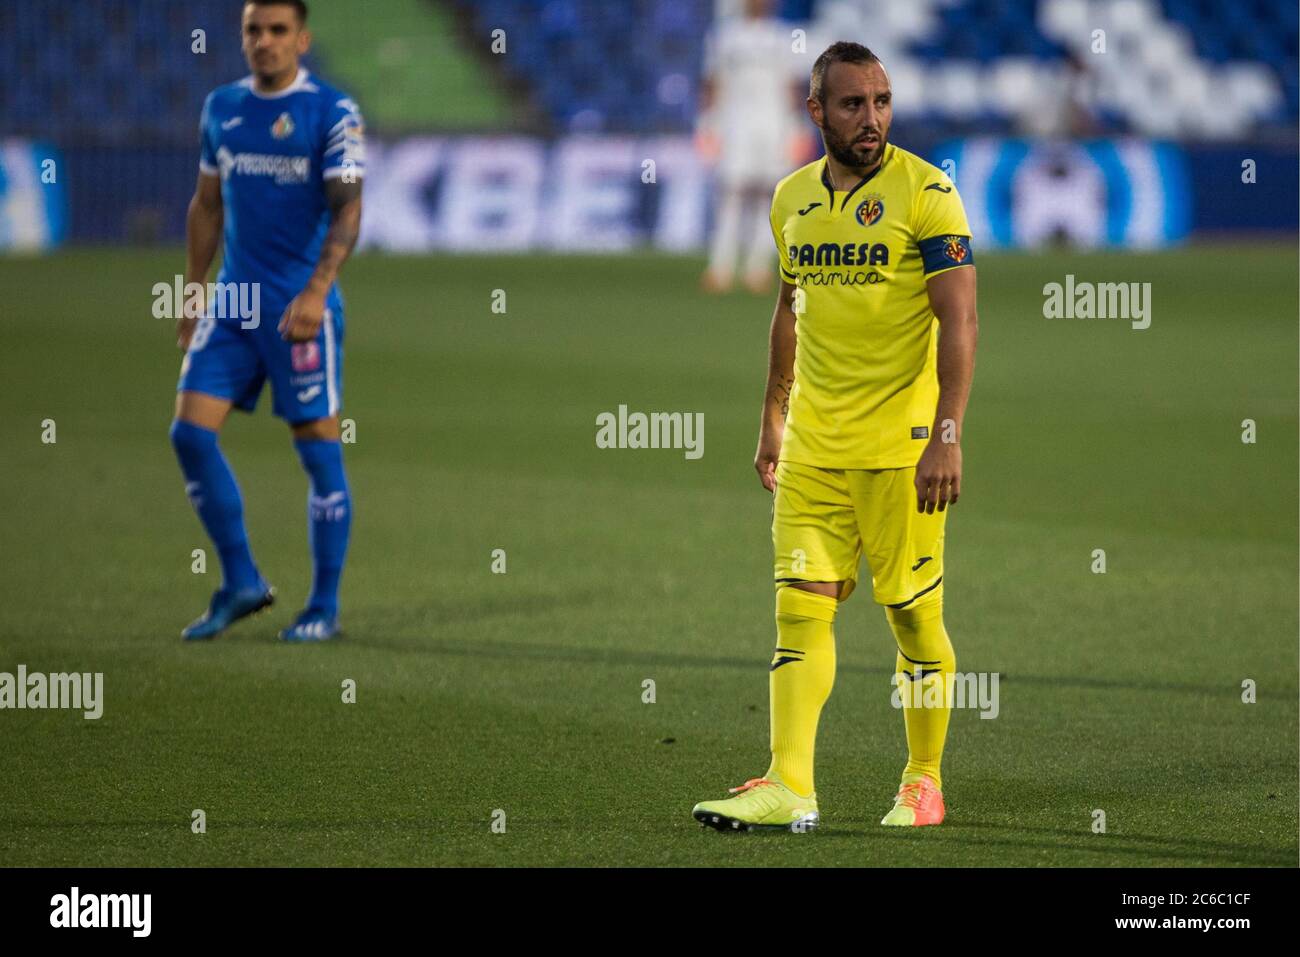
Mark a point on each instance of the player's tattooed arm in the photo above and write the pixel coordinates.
(781, 393)
(344, 201)
(938, 473)
(203, 224)
(780, 383)
(302, 319)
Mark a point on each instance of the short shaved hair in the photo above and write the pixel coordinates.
(299, 6)
(845, 51)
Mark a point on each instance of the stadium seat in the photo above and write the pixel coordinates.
(635, 66)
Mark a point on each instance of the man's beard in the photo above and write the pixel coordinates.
(842, 151)
(267, 69)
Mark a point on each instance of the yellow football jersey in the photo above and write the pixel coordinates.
(865, 385)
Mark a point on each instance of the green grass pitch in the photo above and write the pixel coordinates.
(522, 692)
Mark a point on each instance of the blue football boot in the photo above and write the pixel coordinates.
(314, 624)
(227, 608)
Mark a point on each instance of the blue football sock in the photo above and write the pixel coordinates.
(214, 493)
(329, 513)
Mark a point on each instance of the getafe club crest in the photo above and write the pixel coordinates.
(282, 127)
(870, 210)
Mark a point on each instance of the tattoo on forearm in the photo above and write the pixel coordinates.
(345, 224)
(781, 393)
(341, 234)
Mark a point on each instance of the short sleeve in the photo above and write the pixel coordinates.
(782, 250)
(942, 233)
(207, 152)
(344, 150)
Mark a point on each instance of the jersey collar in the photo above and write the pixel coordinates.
(830, 188)
(300, 82)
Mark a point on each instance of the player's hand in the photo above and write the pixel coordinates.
(185, 331)
(192, 309)
(765, 459)
(301, 321)
(938, 476)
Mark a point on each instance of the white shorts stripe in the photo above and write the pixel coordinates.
(331, 384)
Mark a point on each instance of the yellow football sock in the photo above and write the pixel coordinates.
(924, 649)
(800, 680)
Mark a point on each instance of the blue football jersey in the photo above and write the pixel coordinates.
(273, 153)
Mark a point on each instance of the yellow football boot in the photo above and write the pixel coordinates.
(760, 804)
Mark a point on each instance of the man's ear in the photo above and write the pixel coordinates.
(815, 110)
(304, 42)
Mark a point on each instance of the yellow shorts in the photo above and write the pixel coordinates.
(823, 520)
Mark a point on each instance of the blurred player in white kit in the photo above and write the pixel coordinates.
(750, 125)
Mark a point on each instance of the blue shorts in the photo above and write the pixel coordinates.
(231, 362)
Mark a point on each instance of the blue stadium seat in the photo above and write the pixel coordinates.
(594, 62)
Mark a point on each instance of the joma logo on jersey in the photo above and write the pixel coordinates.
(840, 254)
(870, 210)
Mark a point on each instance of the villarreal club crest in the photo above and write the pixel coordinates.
(870, 210)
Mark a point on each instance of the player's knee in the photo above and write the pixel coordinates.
(793, 604)
(918, 627)
(911, 625)
(922, 608)
(317, 430)
(190, 439)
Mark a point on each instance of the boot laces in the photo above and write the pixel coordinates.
(911, 793)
